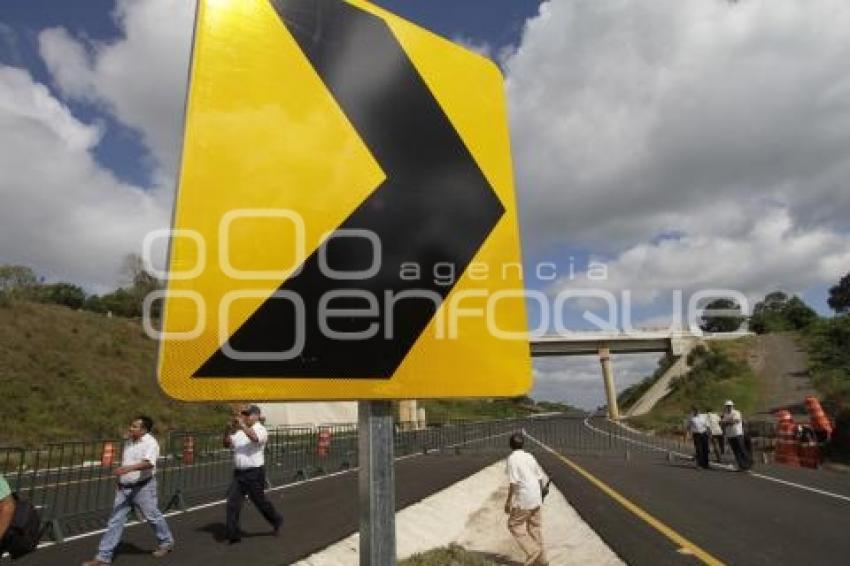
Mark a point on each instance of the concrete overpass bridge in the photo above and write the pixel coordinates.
(676, 343)
(579, 343)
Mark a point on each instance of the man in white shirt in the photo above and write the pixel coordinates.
(136, 486)
(716, 434)
(733, 426)
(524, 502)
(698, 427)
(247, 437)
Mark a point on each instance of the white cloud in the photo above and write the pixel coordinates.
(62, 214)
(65, 215)
(633, 119)
(772, 254)
(725, 123)
(141, 78)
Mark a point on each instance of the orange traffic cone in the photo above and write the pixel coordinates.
(786, 441)
(108, 454)
(818, 418)
(188, 450)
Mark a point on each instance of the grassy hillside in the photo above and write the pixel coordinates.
(718, 373)
(67, 374)
(631, 394)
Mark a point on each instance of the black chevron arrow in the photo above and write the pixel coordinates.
(435, 207)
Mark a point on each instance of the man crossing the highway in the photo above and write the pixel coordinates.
(136, 486)
(247, 438)
(525, 502)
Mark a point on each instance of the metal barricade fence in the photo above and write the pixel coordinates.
(73, 486)
(11, 464)
(64, 481)
(762, 438)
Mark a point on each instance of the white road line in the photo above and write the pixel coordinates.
(801, 486)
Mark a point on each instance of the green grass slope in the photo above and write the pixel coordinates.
(67, 374)
(718, 373)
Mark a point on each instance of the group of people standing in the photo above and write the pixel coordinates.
(710, 430)
(136, 483)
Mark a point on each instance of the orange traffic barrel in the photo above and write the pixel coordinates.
(189, 450)
(787, 446)
(809, 452)
(108, 454)
(818, 418)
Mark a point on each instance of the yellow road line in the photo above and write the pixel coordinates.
(683, 543)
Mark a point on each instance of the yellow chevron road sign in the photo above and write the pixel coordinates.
(345, 224)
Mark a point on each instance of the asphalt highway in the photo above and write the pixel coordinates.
(641, 495)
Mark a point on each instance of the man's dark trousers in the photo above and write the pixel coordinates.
(701, 449)
(250, 482)
(742, 456)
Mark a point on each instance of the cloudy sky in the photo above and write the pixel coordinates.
(682, 144)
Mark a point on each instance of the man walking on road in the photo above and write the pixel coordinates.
(733, 426)
(136, 486)
(698, 428)
(247, 437)
(524, 502)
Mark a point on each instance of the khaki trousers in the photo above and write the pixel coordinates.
(526, 525)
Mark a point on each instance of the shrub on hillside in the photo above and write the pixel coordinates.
(707, 366)
(779, 313)
(828, 344)
(840, 444)
(65, 294)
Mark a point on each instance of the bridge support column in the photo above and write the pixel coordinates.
(610, 390)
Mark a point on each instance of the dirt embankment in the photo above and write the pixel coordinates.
(781, 367)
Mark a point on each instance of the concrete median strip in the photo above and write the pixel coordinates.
(470, 514)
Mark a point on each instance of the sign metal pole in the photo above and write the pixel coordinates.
(376, 484)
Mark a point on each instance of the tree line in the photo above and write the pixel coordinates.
(19, 282)
(777, 312)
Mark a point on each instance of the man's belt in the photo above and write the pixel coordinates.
(133, 485)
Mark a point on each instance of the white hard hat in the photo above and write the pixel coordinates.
(728, 403)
